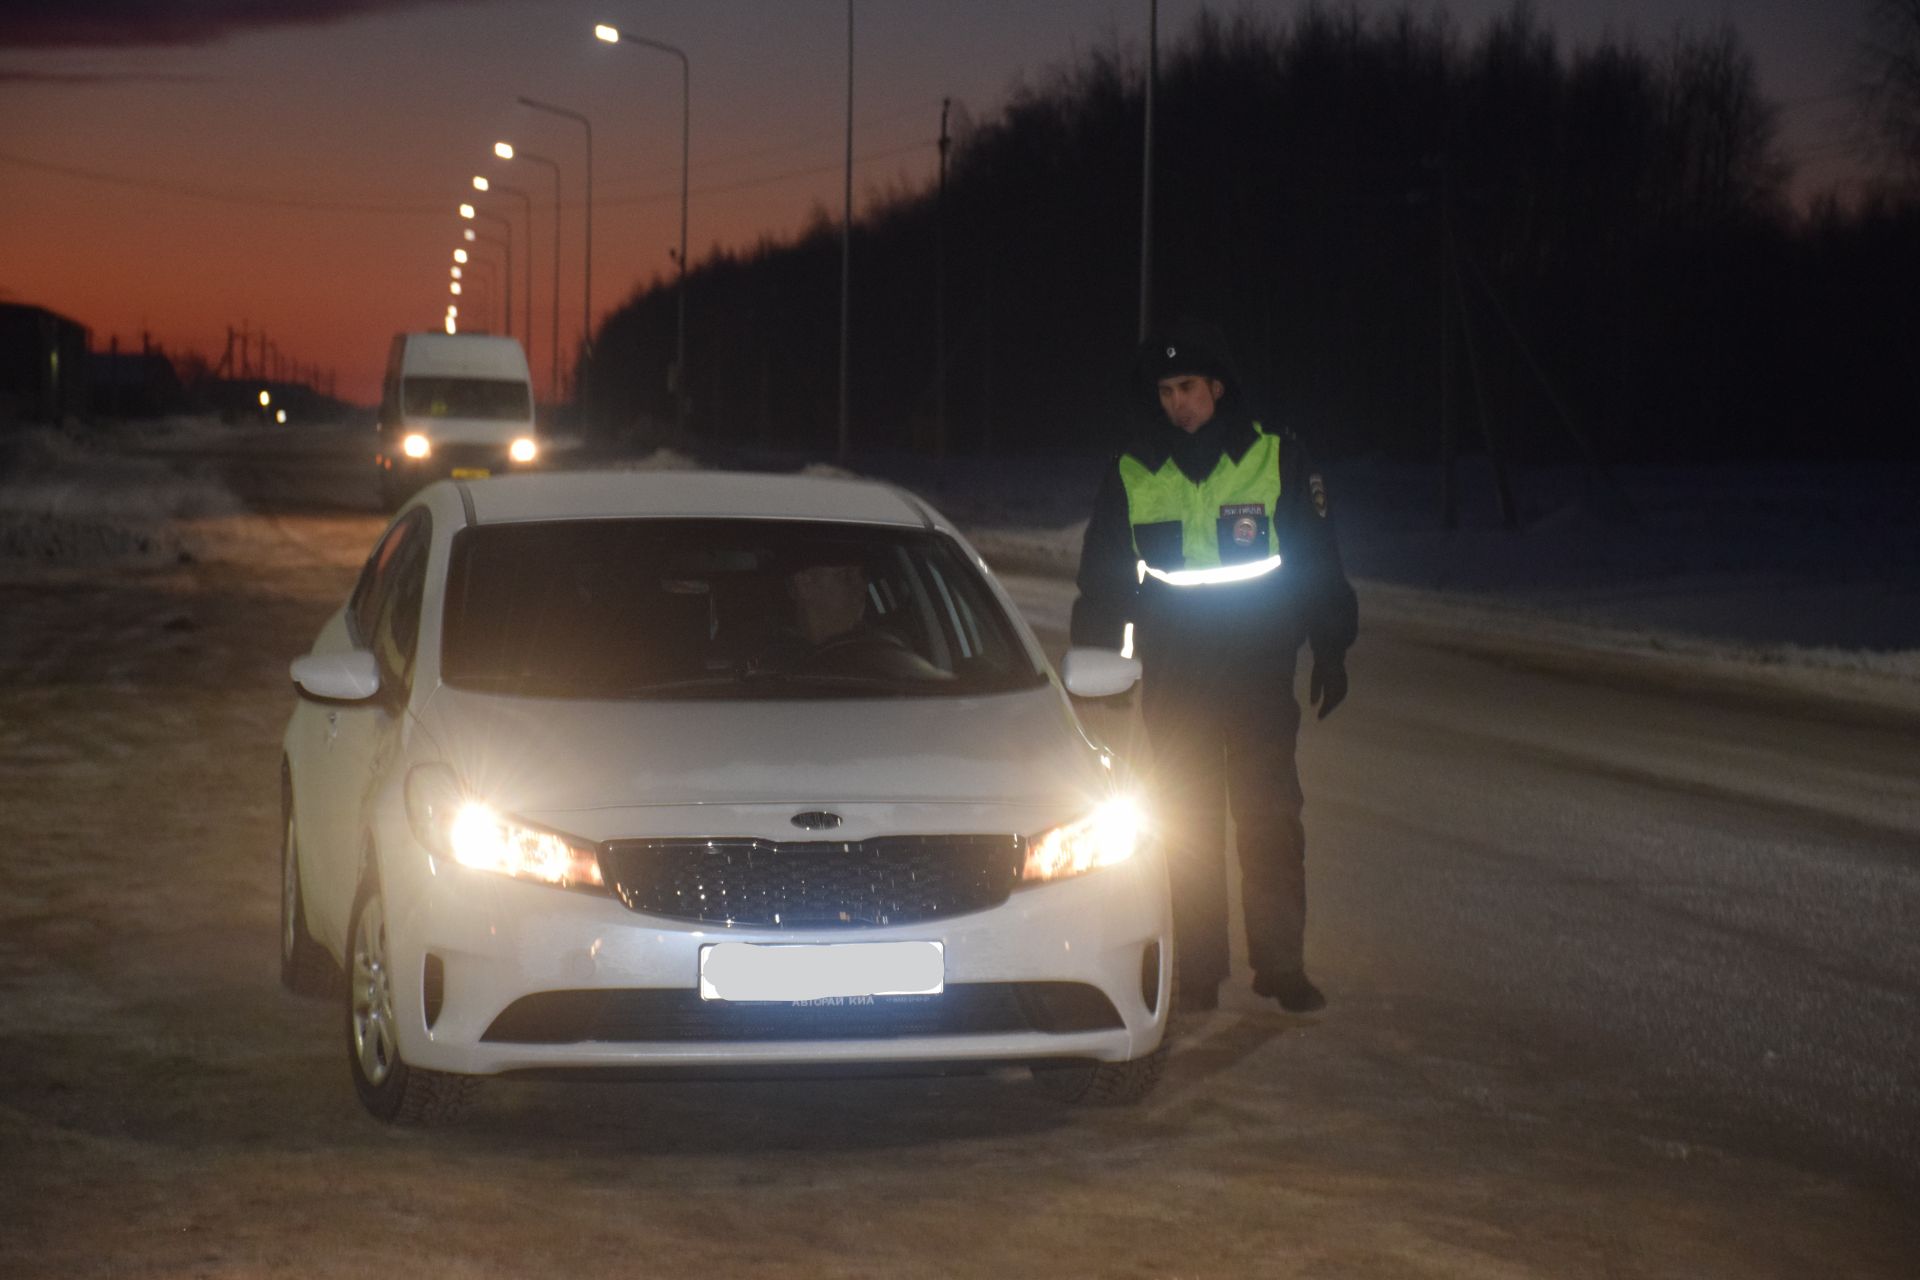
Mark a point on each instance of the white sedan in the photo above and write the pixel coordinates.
(699, 772)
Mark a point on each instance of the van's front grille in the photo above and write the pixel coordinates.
(491, 457)
(888, 880)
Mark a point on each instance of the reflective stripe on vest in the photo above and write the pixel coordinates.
(1210, 577)
(1217, 531)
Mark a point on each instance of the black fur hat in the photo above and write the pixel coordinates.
(1186, 346)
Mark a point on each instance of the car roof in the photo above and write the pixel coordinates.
(604, 495)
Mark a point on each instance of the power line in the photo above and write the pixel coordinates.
(263, 200)
(768, 179)
(221, 197)
(711, 163)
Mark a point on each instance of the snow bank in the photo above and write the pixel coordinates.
(1816, 569)
(85, 499)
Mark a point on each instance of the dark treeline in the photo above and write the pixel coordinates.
(1403, 231)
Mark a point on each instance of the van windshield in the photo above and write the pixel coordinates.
(492, 398)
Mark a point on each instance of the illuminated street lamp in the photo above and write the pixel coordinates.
(456, 272)
(453, 287)
(266, 398)
(460, 255)
(613, 35)
(505, 151)
(280, 416)
(470, 213)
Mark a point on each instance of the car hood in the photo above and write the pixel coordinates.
(552, 756)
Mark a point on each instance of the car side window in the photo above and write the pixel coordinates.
(396, 629)
(376, 579)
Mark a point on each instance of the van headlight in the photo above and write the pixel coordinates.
(1107, 836)
(473, 835)
(523, 449)
(415, 445)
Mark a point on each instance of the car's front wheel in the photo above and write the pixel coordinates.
(390, 1089)
(1102, 1083)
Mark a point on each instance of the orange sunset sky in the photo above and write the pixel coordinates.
(176, 168)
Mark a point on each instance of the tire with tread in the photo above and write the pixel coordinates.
(391, 1091)
(1113, 1084)
(305, 967)
(1103, 1084)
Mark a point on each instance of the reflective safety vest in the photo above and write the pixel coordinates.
(1217, 532)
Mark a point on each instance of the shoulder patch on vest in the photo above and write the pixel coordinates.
(1318, 487)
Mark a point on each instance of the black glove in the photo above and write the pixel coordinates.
(1327, 686)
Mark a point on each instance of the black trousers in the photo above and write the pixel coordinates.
(1220, 738)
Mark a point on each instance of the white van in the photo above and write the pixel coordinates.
(453, 405)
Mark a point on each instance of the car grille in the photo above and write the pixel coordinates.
(679, 1015)
(889, 880)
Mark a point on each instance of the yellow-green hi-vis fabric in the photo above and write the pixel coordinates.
(1225, 519)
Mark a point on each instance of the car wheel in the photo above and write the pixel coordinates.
(1113, 1084)
(1108, 1084)
(389, 1089)
(305, 967)
(392, 492)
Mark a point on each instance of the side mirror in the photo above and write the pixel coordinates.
(1098, 673)
(337, 677)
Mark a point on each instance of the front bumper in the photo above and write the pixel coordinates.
(611, 988)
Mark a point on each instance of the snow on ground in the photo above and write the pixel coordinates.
(79, 498)
(1814, 569)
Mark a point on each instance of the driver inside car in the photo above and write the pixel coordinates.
(837, 633)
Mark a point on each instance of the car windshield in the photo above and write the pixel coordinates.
(671, 608)
(466, 398)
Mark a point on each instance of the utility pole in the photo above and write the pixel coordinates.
(846, 250)
(1449, 497)
(1146, 172)
(1503, 489)
(940, 293)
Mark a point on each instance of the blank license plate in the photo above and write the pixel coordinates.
(823, 971)
(471, 473)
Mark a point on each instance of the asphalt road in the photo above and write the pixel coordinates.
(1622, 961)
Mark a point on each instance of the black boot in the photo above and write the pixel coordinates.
(1294, 991)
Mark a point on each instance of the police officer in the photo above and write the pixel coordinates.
(1211, 552)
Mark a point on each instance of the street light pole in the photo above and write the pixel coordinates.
(612, 35)
(526, 203)
(468, 212)
(490, 279)
(846, 254)
(505, 151)
(1146, 171)
(586, 291)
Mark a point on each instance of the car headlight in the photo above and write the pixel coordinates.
(482, 839)
(522, 449)
(415, 445)
(1105, 837)
(473, 835)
